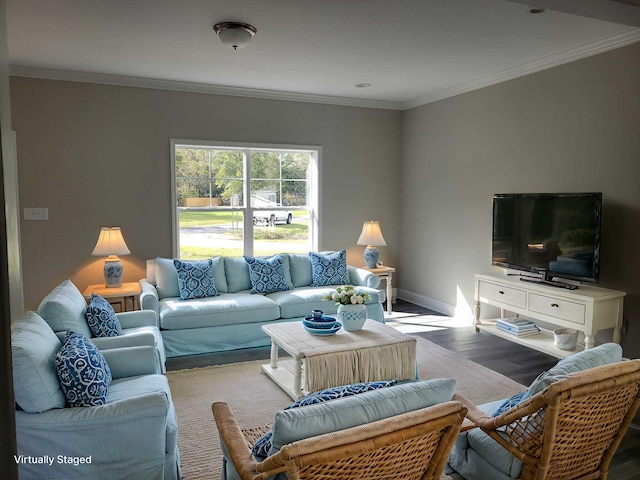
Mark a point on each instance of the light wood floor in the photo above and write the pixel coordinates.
(517, 362)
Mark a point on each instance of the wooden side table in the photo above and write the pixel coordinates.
(387, 273)
(122, 299)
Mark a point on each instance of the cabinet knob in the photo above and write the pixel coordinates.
(501, 292)
(555, 305)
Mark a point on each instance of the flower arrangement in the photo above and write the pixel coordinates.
(347, 295)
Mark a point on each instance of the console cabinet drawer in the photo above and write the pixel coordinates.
(554, 307)
(502, 294)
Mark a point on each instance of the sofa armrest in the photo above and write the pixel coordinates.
(115, 437)
(139, 318)
(148, 296)
(131, 361)
(361, 277)
(135, 339)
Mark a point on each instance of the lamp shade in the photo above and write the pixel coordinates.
(110, 242)
(371, 234)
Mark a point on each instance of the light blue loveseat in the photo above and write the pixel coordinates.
(133, 436)
(233, 319)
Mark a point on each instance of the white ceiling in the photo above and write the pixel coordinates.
(411, 51)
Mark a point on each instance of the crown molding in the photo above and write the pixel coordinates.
(550, 61)
(190, 87)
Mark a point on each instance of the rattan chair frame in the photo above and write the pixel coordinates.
(413, 445)
(572, 429)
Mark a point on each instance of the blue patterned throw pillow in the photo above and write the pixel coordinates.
(267, 274)
(195, 278)
(262, 446)
(329, 269)
(102, 318)
(83, 371)
(511, 402)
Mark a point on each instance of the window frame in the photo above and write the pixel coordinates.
(313, 195)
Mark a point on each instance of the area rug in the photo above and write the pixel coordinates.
(254, 399)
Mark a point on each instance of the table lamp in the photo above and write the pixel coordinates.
(111, 244)
(371, 236)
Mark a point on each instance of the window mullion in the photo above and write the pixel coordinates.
(248, 209)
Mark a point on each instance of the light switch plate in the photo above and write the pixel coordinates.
(36, 214)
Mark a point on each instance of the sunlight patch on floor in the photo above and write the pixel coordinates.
(415, 323)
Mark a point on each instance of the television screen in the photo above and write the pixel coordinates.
(554, 235)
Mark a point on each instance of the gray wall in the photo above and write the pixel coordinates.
(98, 155)
(568, 129)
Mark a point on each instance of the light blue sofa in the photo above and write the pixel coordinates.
(476, 456)
(65, 308)
(233, 319)
(133, 436)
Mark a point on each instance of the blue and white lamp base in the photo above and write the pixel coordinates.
(371, 255)
(112, 271)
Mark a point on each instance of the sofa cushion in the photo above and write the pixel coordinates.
(576, 362)
(166, 276)
(329, 269)
(310, 421)
(102, 318)
(227, 309)
(83, 371)
(263, 445)
(195, 278)
(300, 301)
(490, 460)
(237, 272)
(33, 348)
(594, 357)
(300, 269)
(267, 274)
(64, 308)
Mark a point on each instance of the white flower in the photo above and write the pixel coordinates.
(347, 295)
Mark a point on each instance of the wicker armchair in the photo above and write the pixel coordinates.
(571, 429)
(414, 445)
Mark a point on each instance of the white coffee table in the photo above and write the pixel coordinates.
(377, 352)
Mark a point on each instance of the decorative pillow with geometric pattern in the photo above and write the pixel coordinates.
(102, 318)
(267, 274)
(329, 269)
(83, 372)
(263, 445)
(511, 402)
(195, 278)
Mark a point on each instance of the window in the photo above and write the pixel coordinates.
(212, 183)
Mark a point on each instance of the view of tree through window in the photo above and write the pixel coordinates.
(213, 217)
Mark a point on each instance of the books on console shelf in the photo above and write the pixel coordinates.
(521, 333)
(516, 324)
(518, 327)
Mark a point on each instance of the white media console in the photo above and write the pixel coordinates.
(586, 309)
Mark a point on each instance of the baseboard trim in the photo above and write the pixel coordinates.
(427, 302)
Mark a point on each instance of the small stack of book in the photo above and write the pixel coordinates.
(517, 326)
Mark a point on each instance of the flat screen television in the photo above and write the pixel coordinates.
(548, 235)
